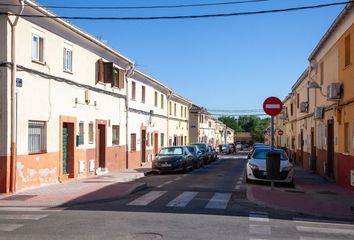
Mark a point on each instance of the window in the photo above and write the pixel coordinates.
(297, 100)
(152, 139)
(181, 111)
(347, 51)
(155, 99)
(321, 73)
(115, 134)
(118, 78)
(133, 90)
(346, 138)
(175, 110)
(37, 137)
(170, 107)
(81, 134)
(162, 101)
(143, 94)
(185, 112)
(68, 58)
(90, 132)
(185, 140)
(291, 109)
(162, 139)
(133, 142)
(37, 46)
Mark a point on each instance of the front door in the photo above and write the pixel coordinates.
(330, 148)
(65, 149)
(101, 148)
(143, 145)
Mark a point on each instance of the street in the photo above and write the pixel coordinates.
(208, 203)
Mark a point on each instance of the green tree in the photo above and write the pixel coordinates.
(231, 122)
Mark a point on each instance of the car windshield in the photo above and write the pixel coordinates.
(191, 149)
(262, 154)
(171, 151)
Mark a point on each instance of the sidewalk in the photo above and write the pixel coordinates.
(99, 188)
(312, 195)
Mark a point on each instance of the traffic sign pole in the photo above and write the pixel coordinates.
(272, 127)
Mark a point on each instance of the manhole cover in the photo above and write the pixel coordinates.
(19, 197)
(326, 192)
(294, 191)
(146, 236)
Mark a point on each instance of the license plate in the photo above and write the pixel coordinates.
(166, 165)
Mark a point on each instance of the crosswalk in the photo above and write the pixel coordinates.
(217, 201)
(13, 218)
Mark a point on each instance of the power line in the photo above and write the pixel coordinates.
(146, 7)
(235, 111)
(187, 16)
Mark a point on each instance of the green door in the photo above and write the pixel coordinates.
(65, 149)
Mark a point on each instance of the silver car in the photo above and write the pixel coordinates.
(257, 169)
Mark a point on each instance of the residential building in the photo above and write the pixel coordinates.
(318, 117)
(244, 137)
(201, 125)
(178, 120)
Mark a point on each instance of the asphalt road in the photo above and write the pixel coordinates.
(208, 203)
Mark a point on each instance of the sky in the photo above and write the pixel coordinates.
(230, 63)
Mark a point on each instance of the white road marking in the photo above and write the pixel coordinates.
(179, 178)
(182, 200)
(258, 212)
(219, 201)
(258, 217)
(22, 216)
(9, 227)
(160, 186)
(239, 182)
(168, 182)
(30, 209)
(237, 187)
(260, 229)
(321, 221)
(313, 238)
(147, 198)
(325, 230)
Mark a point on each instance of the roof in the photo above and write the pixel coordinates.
(243, 135)
(331, 29)
(300, 79)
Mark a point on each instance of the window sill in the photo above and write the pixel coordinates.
(39, 62)
(68, 71)
(37, 153)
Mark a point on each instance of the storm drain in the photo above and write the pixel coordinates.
(327, 192)
(294, 191)
(18, 197)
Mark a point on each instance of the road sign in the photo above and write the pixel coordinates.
(280, 132)
(272, 106)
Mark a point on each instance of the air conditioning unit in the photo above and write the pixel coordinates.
(334, 91)
(304, 106)
(318, 113)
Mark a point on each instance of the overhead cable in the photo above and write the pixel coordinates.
(146, 7)
(186, 16)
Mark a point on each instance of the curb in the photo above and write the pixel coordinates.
(251, 198)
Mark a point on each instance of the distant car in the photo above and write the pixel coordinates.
(203, 147)
(232, 147)
(224, 148)
(197, 156)
(257, 169)
(239, 147)
(171, 159)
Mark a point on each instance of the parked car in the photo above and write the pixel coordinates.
(232, 147)
(204, 149)
(171, 159)
(224, 148)
(239, 147)
(257, 168)
(213, 153)
(197, 156)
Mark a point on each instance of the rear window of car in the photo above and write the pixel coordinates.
(201, 146)
(171, 151)
(191, 149)
(262, 154)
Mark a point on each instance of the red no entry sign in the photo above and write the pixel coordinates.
(280, 132)
(272, 106)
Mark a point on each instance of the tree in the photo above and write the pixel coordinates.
(231, 122)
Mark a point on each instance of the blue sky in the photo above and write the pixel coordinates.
(218, 63)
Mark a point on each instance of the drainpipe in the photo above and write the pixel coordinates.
(13, 154)
(169, 96)
(129, 73)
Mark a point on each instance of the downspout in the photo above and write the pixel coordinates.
(13, 154)
(129, 73)
(169, 95)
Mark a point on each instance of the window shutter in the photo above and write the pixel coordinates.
(121, 78)
(100, 70)
(108, 72)
(115, 82)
